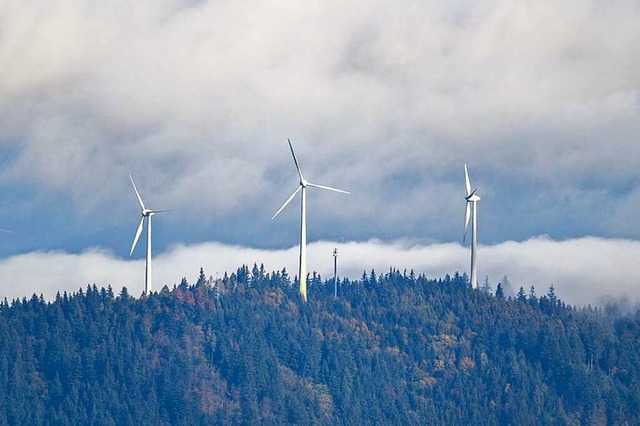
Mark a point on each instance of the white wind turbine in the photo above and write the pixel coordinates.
(302, 269)
(146, 213)
(472, 203)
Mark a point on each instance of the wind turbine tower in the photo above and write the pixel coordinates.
(472, 205)
(302, 186)
(146, 214)
(335, 273)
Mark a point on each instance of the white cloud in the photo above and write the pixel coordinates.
(585, 270)
(170, 89)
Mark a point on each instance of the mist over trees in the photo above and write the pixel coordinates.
(393, 348)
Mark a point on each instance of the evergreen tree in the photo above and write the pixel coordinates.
(202, 278)
(551, 295)
(486, 287)
(533, 299)
(522, 296)
(499, 291)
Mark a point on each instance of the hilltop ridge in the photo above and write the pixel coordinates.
(392, 349)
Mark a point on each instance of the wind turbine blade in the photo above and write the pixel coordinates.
(8, 231)
(295, 160)
(466, 180)
(137, 193)
(161, 211)
(315, 185)
(467, 216)
(287, 202)
(138, 232)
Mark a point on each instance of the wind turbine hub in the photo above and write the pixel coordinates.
(303, 182)
(472, 197)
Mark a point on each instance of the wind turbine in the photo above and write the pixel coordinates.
(146, 213)
(302, 269)
(472, 203)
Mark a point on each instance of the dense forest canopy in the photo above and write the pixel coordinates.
(393, 348)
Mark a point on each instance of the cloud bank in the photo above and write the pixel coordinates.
(583, 271)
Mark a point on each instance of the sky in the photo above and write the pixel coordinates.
(389, 100)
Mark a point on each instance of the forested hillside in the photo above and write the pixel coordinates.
(392, 349)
